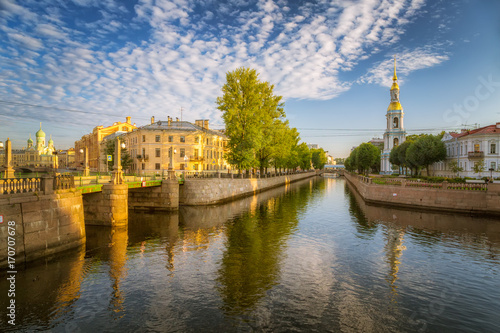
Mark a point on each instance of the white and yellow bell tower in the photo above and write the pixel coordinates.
(394, 134)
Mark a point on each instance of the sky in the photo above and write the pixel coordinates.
(77, 64)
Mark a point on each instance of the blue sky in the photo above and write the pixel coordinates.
(73, 65)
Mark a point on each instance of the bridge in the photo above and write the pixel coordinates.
(48, 214)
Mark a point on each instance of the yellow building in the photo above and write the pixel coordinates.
(195, 147)
(92, 142)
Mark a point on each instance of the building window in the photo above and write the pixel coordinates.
(182, 166)
(493, 148)
(196, 153)
(183, 152)
(396, 122)
(143, 152)
(170, 138)
(183, 139)
(157, 138)
(143, 138)
(493, 165)
(197, 140)
(396, 142)
(157, 166)
(143, 166)
(207, 141)
(466, 148)
(196, 167)
(157, 152)
(476, 147)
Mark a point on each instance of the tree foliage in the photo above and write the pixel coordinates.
(426, 150)
(126, 160)
(364, 158)
(259, 135)
(318, 158)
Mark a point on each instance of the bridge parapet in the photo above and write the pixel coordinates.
(41, 185)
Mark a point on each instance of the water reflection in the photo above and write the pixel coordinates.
(109, 245)
(45, 290)
(255, 245)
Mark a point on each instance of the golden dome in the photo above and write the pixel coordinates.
(394, 106)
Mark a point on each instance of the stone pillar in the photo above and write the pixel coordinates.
(109, 207)
(86, 170)
(117, 177)
(47, 185)
(9, 172)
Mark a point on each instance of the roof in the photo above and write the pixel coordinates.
(179, 126)
(483, 130)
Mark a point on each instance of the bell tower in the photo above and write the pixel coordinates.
(394, 134)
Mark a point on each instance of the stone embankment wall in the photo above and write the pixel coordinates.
(162, 198)
(218, 190)
(450, 200)
(44, 224)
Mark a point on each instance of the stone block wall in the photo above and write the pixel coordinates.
(109, 207)
(457, 201)
(45, 224)
(162, 198)
(218, 190)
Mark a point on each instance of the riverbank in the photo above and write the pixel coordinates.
(441, 197)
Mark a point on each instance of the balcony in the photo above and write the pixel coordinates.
(475, 154)
(196, 159)
(143, 158)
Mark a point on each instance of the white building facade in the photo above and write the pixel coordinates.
(395, 133)
(468, 148)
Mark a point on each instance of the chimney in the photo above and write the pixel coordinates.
(205, 124)
(198, 123)
(169, 121)
(152, 119)
(128, 120)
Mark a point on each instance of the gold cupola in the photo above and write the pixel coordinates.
(395, 105)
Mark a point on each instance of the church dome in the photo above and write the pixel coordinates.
(51, 141)
(40, 133)
(30, 140)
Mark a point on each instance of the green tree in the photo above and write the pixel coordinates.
(250, 110)
(367, 156)
(426, 150)
(479, 167)
(304, 156)
(455, 168)
(318, 158)
(126, 160)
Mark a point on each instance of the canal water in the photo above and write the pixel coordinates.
(308, 257)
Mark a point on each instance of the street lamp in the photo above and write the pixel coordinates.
(86, 161)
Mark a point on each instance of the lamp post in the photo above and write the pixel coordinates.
(86, 161)
(117, 171)
(9, 172)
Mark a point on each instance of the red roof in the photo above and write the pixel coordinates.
(483, 130)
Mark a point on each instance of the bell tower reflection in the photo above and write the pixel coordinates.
(394, 250)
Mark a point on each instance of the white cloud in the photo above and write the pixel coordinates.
(183, 60)
(407, 62)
